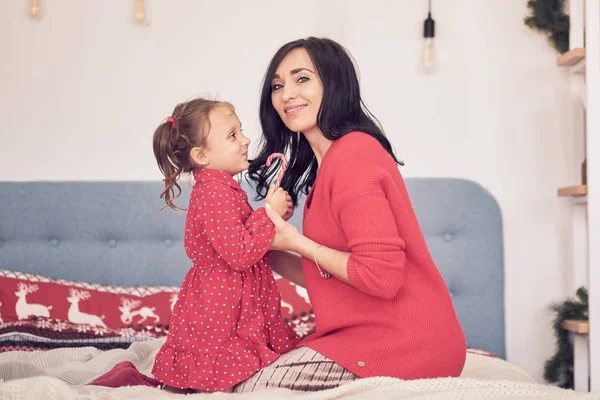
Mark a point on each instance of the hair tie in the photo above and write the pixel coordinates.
(173, 122)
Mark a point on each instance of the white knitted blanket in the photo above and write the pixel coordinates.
(63, 373)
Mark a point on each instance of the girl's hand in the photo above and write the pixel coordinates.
(277, 199)
(286, 234)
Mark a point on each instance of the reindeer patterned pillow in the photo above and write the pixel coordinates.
(295, 307)
(58, 313)
(37, 312)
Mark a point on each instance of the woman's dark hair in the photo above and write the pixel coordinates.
(342, 111)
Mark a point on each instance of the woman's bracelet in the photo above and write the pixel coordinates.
(324, 274)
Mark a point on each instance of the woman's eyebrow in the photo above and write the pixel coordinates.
(294, 71)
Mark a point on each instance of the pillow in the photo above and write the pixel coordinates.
(40, 312)
(295, 307)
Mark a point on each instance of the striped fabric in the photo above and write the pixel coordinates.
(302, 369)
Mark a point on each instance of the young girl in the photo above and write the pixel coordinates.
(226, 324)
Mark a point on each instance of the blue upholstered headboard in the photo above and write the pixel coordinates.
(114, 233)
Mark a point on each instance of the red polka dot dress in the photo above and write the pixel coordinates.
(227, 322)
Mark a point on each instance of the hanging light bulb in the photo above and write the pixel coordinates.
(428, 34)
(139, 13)
(34, 7)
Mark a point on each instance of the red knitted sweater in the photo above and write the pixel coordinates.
(396, 317)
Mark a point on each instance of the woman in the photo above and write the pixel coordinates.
(380, 303)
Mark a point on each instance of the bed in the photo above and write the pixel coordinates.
(89, 272)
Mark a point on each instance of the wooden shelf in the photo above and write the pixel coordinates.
(579, 190)
(575, 326)
(571, 57)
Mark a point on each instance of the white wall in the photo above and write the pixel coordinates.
(82, 89)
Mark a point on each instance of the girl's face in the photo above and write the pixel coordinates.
(297, 92)
(226, 146)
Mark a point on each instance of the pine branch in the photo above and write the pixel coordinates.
(547, 16)
(559, 368)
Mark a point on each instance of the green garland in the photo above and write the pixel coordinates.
(559, 368)
(548, 16)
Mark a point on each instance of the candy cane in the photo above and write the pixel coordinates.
(284, 165)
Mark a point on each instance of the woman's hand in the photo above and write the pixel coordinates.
(288, 238)
(286, 234)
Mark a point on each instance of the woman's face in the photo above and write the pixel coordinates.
(297, 92)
